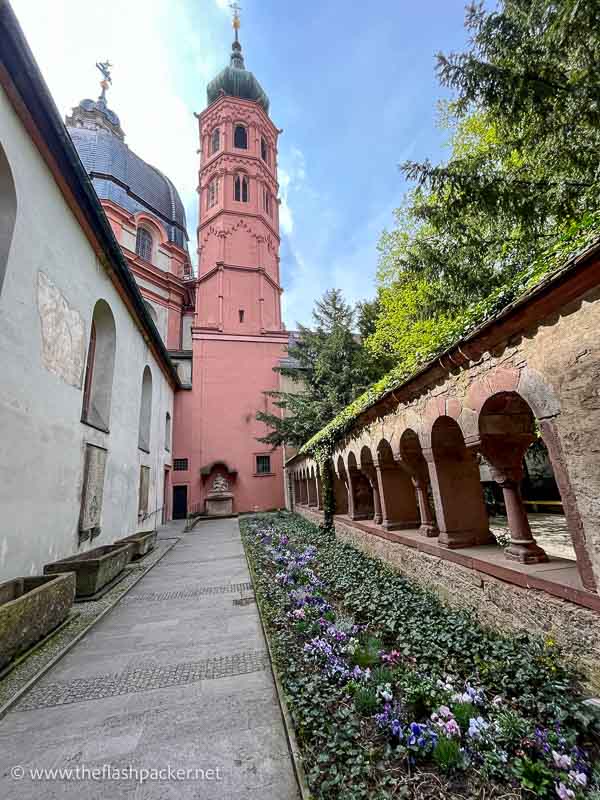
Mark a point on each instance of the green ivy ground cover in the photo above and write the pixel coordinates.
(395, 695)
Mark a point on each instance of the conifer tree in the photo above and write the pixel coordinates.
(331, 368)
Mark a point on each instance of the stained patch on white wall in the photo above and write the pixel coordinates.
(62, 332)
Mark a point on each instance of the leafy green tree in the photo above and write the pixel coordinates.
(330, 369)
(523, 168)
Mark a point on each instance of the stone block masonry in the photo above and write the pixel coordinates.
(496, 603)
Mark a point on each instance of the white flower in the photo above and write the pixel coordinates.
(385, 692)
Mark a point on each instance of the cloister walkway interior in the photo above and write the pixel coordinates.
(176, 675)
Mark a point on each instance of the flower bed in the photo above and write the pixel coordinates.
(395, 695)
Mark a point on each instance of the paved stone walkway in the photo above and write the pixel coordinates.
(176, 676)
(550, 531)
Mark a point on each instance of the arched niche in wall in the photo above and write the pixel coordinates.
(8, 212)
(145, 411)
(100, 367)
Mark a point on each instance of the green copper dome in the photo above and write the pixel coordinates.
(236, 81)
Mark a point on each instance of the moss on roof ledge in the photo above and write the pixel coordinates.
(577, 242)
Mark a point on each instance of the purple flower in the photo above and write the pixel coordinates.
(563, 792)
(561, 760)
(578, 778)
(477, 727)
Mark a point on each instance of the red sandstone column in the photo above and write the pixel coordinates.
(312, 492)
(461, 514)
(523, 546)
(371, 476)
(397, 494)
(427, 527)
(319, 494)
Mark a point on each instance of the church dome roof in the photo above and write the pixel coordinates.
(236, 81)
(100, 107)
(118, 174)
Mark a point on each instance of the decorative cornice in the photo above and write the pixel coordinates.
(217, 110)
(250, 214)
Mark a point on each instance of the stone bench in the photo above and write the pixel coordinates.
(95, 568)
(30, 608)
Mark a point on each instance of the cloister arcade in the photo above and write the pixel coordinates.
(417, 467)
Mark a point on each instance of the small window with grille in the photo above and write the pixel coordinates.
(264, 150)
(213, 193)
(263, 465)
(215, 141)
(240, 137)
(143, 244)
(180, 464)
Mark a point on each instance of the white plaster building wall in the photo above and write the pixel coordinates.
(53, 281)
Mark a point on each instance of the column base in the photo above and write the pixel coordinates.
(454, 540)
(525, 551)
(377, 519)
(429, 530)
(395, 525)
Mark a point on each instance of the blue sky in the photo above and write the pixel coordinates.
(352, 85)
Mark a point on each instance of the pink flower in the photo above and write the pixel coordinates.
(445, 712)
(452, 728)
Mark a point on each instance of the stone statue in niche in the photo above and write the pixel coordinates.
(219, 500)
(220, 485)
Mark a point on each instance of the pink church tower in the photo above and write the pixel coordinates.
(237, 336)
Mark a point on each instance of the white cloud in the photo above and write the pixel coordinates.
(145, 43)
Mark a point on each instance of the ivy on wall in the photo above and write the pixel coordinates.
(580, 237)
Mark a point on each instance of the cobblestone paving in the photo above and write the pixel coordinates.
(188, 594)
(142, 680)
(185, 684)
(550, 532)
(83, 616)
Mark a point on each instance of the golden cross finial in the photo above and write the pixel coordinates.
(236, 8)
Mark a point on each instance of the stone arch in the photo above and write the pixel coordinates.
(145, 422)
(100, 367)
(312, 490)
(507, 429)
(458, 498)
(413, 461)
(396, 490)
(360, 493)
(340, 486)
(8, 212)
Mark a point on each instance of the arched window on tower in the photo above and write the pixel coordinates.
(145, 411)
(241, 189)
(97, 392)
(8, 212)
(215, 141)
(240, 137)
(264, 150)
(143, 244)
(266, 200)
(213, 193)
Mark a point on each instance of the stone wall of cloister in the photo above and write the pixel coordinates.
(406, 478)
